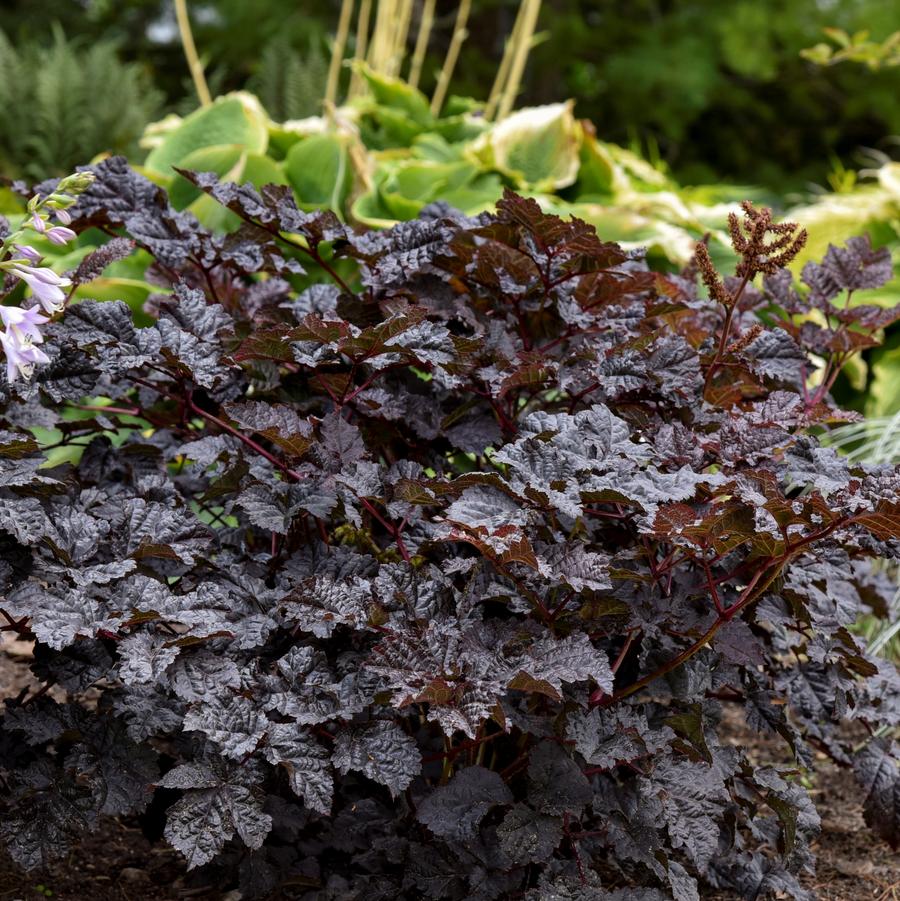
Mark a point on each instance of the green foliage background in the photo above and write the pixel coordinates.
(710, 93)
(718, 87)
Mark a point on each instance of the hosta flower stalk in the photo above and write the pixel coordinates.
(22, 326)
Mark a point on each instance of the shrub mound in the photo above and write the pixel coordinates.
(431, 580)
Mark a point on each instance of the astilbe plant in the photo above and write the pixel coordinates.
(432, 579)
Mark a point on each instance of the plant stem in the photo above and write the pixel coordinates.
(751, 593)
(256, 447)
(503, 69)
(190, 52)
(123, 411)
(456, 42)
(520, 56)
(379, 45)
(624, 652)
(418, 57)
(209, 417)
(401, 33)
(362, 43)
(726, 330)
(337, 52)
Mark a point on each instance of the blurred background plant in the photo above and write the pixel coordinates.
(720, 88)
(64, 100)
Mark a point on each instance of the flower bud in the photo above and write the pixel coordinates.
(60, 235)
(76, 183)
(57, 201)
(28, 253)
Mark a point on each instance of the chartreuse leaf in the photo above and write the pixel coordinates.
(370, 209)
(233, 119)
(411, 184)
(395, 94)
(226, 160)
(884, 393)
(318, 169)
(599, 176)
(476, 195)
(403, 188)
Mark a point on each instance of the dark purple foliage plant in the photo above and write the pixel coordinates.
(428, 573)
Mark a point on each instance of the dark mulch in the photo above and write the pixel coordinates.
(118, 863)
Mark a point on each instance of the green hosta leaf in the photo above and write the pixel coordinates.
(396, 94)
(261, 170)
(283, 135)
(475, 196)
(414, 183)
(538, 148)
(461, 127)
(234, 119)
(631, 228)
(435, 148)
(598, 174)
(429, 181)
(318, 169)
(404, 188)
(370, 209)
(226, 160)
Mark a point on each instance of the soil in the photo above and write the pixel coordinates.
(118, 863)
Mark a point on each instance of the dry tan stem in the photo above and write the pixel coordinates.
(503, 70)
(418, 58)
(337, 52)
(456, 42)
(517, 66)
(190, 53)
(362, 44)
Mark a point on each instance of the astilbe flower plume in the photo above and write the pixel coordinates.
(765, 248)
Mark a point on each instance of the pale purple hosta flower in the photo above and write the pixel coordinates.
(20, 361)
(28, 253)
(38, 223)
(59, 234)
(23, 326)
(45, 284)
(20, 339)
(64, 216)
